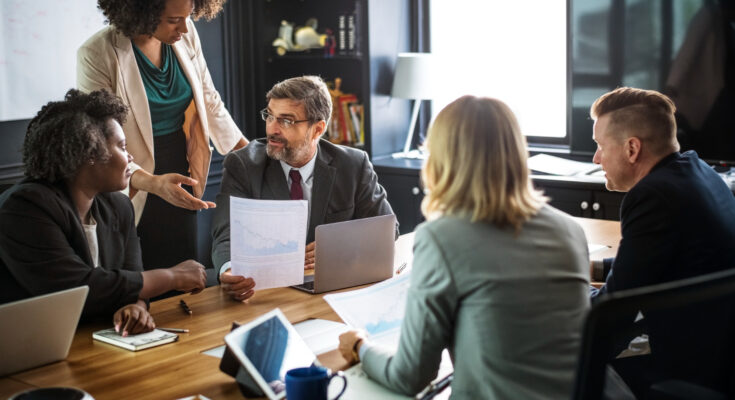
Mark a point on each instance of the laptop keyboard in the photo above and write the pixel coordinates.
(308, 285)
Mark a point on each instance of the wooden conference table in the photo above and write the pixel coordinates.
(180, 370)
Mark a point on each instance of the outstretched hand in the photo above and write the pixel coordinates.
(168, 187)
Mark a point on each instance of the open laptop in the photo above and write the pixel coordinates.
(352, 253)
(39, 330)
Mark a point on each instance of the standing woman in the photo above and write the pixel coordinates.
(151, 57)
(499, 277)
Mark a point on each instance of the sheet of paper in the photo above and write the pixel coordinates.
(560, 166)
(267, 240)
(377, 309)
(593, 247)
(320, 335)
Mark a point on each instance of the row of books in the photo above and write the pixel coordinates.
(347, 124)
(347, 34)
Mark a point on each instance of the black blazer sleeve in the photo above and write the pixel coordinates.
(43, 249)
(235, 182)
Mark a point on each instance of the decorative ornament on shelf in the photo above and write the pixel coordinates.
(306, 37)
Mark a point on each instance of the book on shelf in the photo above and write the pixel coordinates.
(351, 34)
(342, 34)
(346, 125)
(141, 341)
(356, 113)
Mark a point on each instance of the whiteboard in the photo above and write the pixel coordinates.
(38, 51)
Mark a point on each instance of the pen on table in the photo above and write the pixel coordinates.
(185, 307)
(435, 388)
(401, 268)
(174, 330)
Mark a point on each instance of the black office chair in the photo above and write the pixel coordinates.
(697, 362)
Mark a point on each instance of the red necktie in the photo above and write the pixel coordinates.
(296, 192)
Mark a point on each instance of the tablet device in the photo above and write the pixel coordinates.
(267, 347)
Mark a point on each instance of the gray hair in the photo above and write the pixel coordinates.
(310, 90)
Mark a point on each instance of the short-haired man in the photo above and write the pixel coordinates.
(678, 216)
(293, 162)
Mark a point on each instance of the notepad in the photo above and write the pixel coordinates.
(142, 341)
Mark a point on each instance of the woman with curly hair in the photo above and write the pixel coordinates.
(66, 224)
(151, 57)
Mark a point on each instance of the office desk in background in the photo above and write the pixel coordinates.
(180, 369)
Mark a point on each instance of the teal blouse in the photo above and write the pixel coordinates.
(168, 91)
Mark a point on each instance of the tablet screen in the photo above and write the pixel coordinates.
(272, 347)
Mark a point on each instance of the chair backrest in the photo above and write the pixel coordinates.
(708, 295)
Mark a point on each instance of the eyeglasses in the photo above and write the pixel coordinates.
(284, 123)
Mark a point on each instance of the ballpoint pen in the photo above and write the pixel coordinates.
(435, 388)
(185, 307)
(174, 330)
(401, 268)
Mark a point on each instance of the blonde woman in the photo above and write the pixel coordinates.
(499, 278)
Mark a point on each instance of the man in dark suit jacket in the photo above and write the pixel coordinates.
(677, 221)
(292, 162)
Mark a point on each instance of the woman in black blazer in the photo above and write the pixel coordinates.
(67, 225)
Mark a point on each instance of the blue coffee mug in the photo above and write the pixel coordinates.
(311, 383)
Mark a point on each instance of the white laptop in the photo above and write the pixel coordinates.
(39, 330)
(352, 253)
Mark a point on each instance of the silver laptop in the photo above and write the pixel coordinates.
(352, 253)
(39, 330)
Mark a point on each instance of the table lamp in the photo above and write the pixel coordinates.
(413, 80)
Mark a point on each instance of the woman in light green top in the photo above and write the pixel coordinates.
(499, 277)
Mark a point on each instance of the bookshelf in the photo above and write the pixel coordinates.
(364, 66)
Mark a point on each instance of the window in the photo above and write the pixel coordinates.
(515, 51)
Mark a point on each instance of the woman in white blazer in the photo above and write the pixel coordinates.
(151, 57)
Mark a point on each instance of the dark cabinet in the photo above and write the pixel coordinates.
(401, 181)
(581, 197)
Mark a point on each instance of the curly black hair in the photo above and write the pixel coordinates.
(65, 134)
(141, 17)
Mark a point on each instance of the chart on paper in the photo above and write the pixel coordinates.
(378, 309)
(267, 240)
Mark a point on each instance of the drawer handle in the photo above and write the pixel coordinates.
(596, 206)
(416, 191)
(584, 205)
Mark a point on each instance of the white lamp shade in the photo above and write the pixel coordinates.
(414, 77)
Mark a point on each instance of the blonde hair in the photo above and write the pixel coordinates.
(477, 165)
(645, 114)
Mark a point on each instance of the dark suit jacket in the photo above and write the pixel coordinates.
(43, 248)
(679, 222)
(345, 187)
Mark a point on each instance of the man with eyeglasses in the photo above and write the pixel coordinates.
(293, 162)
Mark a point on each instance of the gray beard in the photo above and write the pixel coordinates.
(289, 155)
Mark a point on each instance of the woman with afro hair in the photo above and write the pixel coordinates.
(66, 224)
(151, 57)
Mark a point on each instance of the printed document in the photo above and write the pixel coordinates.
(268, 240)
(378, 309)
